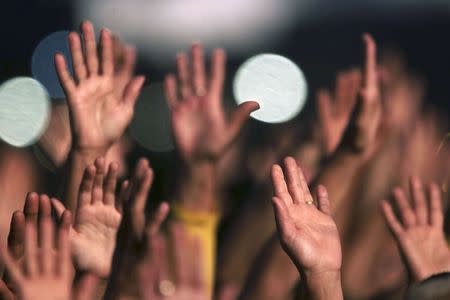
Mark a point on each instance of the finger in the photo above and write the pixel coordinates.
(239, 117)
(121, 200)
(281, 213)
(158, 218)
(58, 206)
(64, 261)
(139, 201)
(293, 180)
(31, 249)
(64, 77)
(45, 207)
(304, 184)
(46, 236)
(12, 268)
(279, 183)
(97, 189)
(129, 63)
(106, 45)
(420, 205)
(110, 184)
(394, 225)
(217, 73)
(324, 109)
(91, 48)
(170, 89)
(324, 202)
(31, 208)
(198, 70)
(86, 186)
(16, 236)
(132, 90)
(406, 213)
(370, 65)
(436, 213)
(76, 50)
(183, 75)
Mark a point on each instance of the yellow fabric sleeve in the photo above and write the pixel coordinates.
(203, 226)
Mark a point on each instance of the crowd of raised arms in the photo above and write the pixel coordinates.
(351, 205)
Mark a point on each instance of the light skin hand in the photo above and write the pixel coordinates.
(419, 230)
(99, 112)
(308, 233)
(334, 110)
(360, 136)
(46, 270)
(200, 125)
(93, 235)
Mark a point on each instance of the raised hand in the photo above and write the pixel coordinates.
(138, 239)
(200, 125)
(334, 111)
(307, 232)
(419, 230)
(361, 132)
(100, 110)
(97, 220)
(46, 267)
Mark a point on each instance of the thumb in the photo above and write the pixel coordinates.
(58, 206)
(240, 116)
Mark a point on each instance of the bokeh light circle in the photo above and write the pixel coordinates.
(151, 126)
(276, 83)
(43, 62)
(24, 111)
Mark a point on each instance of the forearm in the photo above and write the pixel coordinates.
(323, 286)
(197, 187)
(77, 163)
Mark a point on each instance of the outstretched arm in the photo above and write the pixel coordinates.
(99, 108)
(307, 231)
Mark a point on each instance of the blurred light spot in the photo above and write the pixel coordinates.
(43, 62)
(151, 126)
(276, 83)
(24, 111)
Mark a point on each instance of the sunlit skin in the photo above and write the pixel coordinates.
(419, 230)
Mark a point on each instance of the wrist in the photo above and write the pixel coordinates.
(198, 187)
(87, 155)
(323, 285)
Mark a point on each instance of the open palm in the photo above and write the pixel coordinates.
(419, 230)
(99, 111)
(93, 236)
(199, 122)
(309, 235)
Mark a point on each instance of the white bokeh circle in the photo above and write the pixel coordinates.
(276, 83)
(24, 111)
